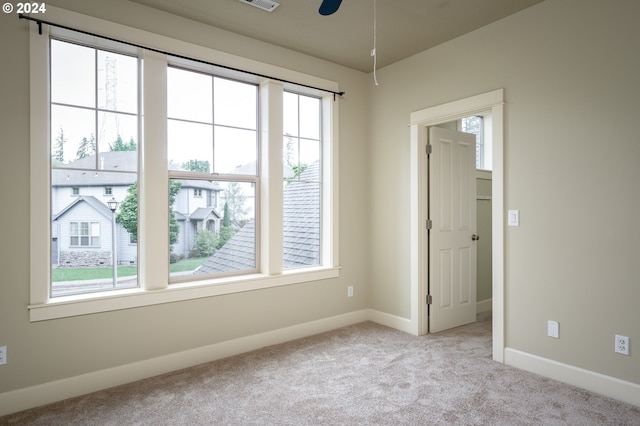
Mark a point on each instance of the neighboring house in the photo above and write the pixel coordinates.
(301, 212)
(81, 221)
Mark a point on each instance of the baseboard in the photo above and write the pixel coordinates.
(46, 393)
(484, 306)
(605, 385)
(388, 320)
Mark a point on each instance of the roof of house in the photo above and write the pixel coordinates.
(85, 172)
(236, 255)
(96, 204)
(301, 239)
(202, 213)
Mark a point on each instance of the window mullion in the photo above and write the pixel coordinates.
(271, 230)
(153, 194)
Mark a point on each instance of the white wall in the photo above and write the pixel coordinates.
(569, 69)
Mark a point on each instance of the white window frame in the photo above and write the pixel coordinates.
(153, 179)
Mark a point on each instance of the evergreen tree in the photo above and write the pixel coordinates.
(58, 150)
(226, 230)
(87, 147)
(119, 145)
(197, 166)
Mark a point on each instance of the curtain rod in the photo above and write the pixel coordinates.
(163, 52)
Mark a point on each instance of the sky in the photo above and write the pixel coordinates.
(86, 82)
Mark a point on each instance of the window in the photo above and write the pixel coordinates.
(212, 177)
(93, 111)
(302, 181)
(213, 129)
(480, 125)
(84, 234)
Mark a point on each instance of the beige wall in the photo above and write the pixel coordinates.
(570, 71)
(50, 350)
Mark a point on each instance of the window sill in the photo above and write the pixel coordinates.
(70, 306)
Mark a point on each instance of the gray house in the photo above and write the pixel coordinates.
(81, 219)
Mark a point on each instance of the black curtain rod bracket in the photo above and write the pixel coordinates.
(42, 21)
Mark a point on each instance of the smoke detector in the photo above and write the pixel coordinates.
(267, 5)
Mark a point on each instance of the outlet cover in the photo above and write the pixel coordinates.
(622, 345)
(553, 329)
(3, 355)
(350, 291)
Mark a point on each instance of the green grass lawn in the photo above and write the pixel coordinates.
(75, 274)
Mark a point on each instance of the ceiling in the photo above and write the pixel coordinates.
(404, 27)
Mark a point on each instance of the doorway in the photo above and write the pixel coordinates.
(420, 121)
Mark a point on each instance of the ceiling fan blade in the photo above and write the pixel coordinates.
(329, 7)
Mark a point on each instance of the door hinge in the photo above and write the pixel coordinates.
(429, 299)
(429, 149)
(429, 224)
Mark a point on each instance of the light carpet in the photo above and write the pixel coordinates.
(364, 374)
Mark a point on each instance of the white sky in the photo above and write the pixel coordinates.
(191, 110)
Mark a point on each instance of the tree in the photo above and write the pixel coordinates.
(119, 145)
(58, 150)
(226, 230)
(174, 228)
(206, 243)
(87, 147)
(235, 201)
(197, 166)
(128, 212)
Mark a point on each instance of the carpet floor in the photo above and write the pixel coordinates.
(357, 375)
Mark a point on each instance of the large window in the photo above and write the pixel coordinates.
(302, 151)
(94, 134)
(213, 131)
(200, 196)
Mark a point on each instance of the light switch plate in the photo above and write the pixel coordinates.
(513, 218)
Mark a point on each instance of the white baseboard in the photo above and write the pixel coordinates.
(605, 385)
(46, 393)
(483, 306)
(58, 390)
(393, 321)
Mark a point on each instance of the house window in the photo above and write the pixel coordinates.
(94, 129)
(302, 181)
(214, 128)
(84, 234)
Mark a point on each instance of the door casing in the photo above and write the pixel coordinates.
(419, 122)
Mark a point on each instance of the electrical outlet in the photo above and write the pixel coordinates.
(553, 329)
(3, 355)
(622, 345)
(350, 291)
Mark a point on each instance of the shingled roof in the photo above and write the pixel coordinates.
(301, 203)
(112, 161)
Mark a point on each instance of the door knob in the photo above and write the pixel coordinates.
(475, 237)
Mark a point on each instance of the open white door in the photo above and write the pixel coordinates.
(452, 212)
